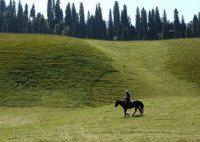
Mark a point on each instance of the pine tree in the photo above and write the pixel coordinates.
(176, 24)
(20, 18)
(75, 22)
(91, 27)
(50, 15)
(124, 24)
(99, 25)
(32, 24)
(116, 17)
(68, 15)
(165, 29)
(124, 17)
(43, 24)
(150, 26)
(195, 26)
(32, 12)
(110, 25)
(2, 9)
(199, 24)
(53, 9)
(26, 19)
(58, 14)
(137, 24)
(144, 26)
(189, 29)
(82, 20)
(14, 16)
(10, 18)
(157, 23)
(183, 28)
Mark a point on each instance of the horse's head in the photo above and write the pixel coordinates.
(116, 103)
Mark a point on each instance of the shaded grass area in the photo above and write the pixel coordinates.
(165, 119)
(48, 70)
(185, 59)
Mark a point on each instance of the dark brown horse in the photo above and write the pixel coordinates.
(135, 104)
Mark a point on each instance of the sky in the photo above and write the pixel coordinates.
(187, 8)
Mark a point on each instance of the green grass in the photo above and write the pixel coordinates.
(162, 74)
(171, 120)
(185, 59)
(48, 70)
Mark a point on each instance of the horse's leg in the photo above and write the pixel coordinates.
(140, 109)
(135, 111)
(124, 112)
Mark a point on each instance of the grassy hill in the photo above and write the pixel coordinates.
(48, 70)
(156, 68)
(53, 74)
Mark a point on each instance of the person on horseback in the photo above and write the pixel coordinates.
(127, 98)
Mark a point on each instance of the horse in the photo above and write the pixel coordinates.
(135, 104)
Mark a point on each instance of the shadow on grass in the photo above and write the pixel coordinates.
(135, 116)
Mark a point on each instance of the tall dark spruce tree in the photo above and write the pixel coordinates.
(26, 19)
(75, 22)
(124, 24)
(99, 23)
(20, 18)
(2, 17)
(137, 24)
(165, 27)
(90, 26)
(158, 24)
(199, 24)
(82, 21)
(32, 29)
(58, 14)
(59, 24)
(32, 11)
(110, 25)
(116, 20)
(68, 20)
(144, 26)
(195, 26)
(50, 15)
(176, 24)
(10, 17)
(183, 28)
(151, 27)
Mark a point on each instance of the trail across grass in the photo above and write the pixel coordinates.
(162, 74)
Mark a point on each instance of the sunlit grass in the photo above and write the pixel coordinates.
(162, 74)
(165, 119)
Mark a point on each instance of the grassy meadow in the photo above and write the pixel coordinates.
(55, 88)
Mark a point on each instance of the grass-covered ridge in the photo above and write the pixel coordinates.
(153, 68)
(185, 59)
(48, 70)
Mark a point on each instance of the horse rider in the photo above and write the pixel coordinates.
(127, 98)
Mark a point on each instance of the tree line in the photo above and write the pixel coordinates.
(149, 25)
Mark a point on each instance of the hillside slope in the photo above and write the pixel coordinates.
(48, 70)
(155, 68)
(42, 70)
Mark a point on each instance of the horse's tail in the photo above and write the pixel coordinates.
(142, 107)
